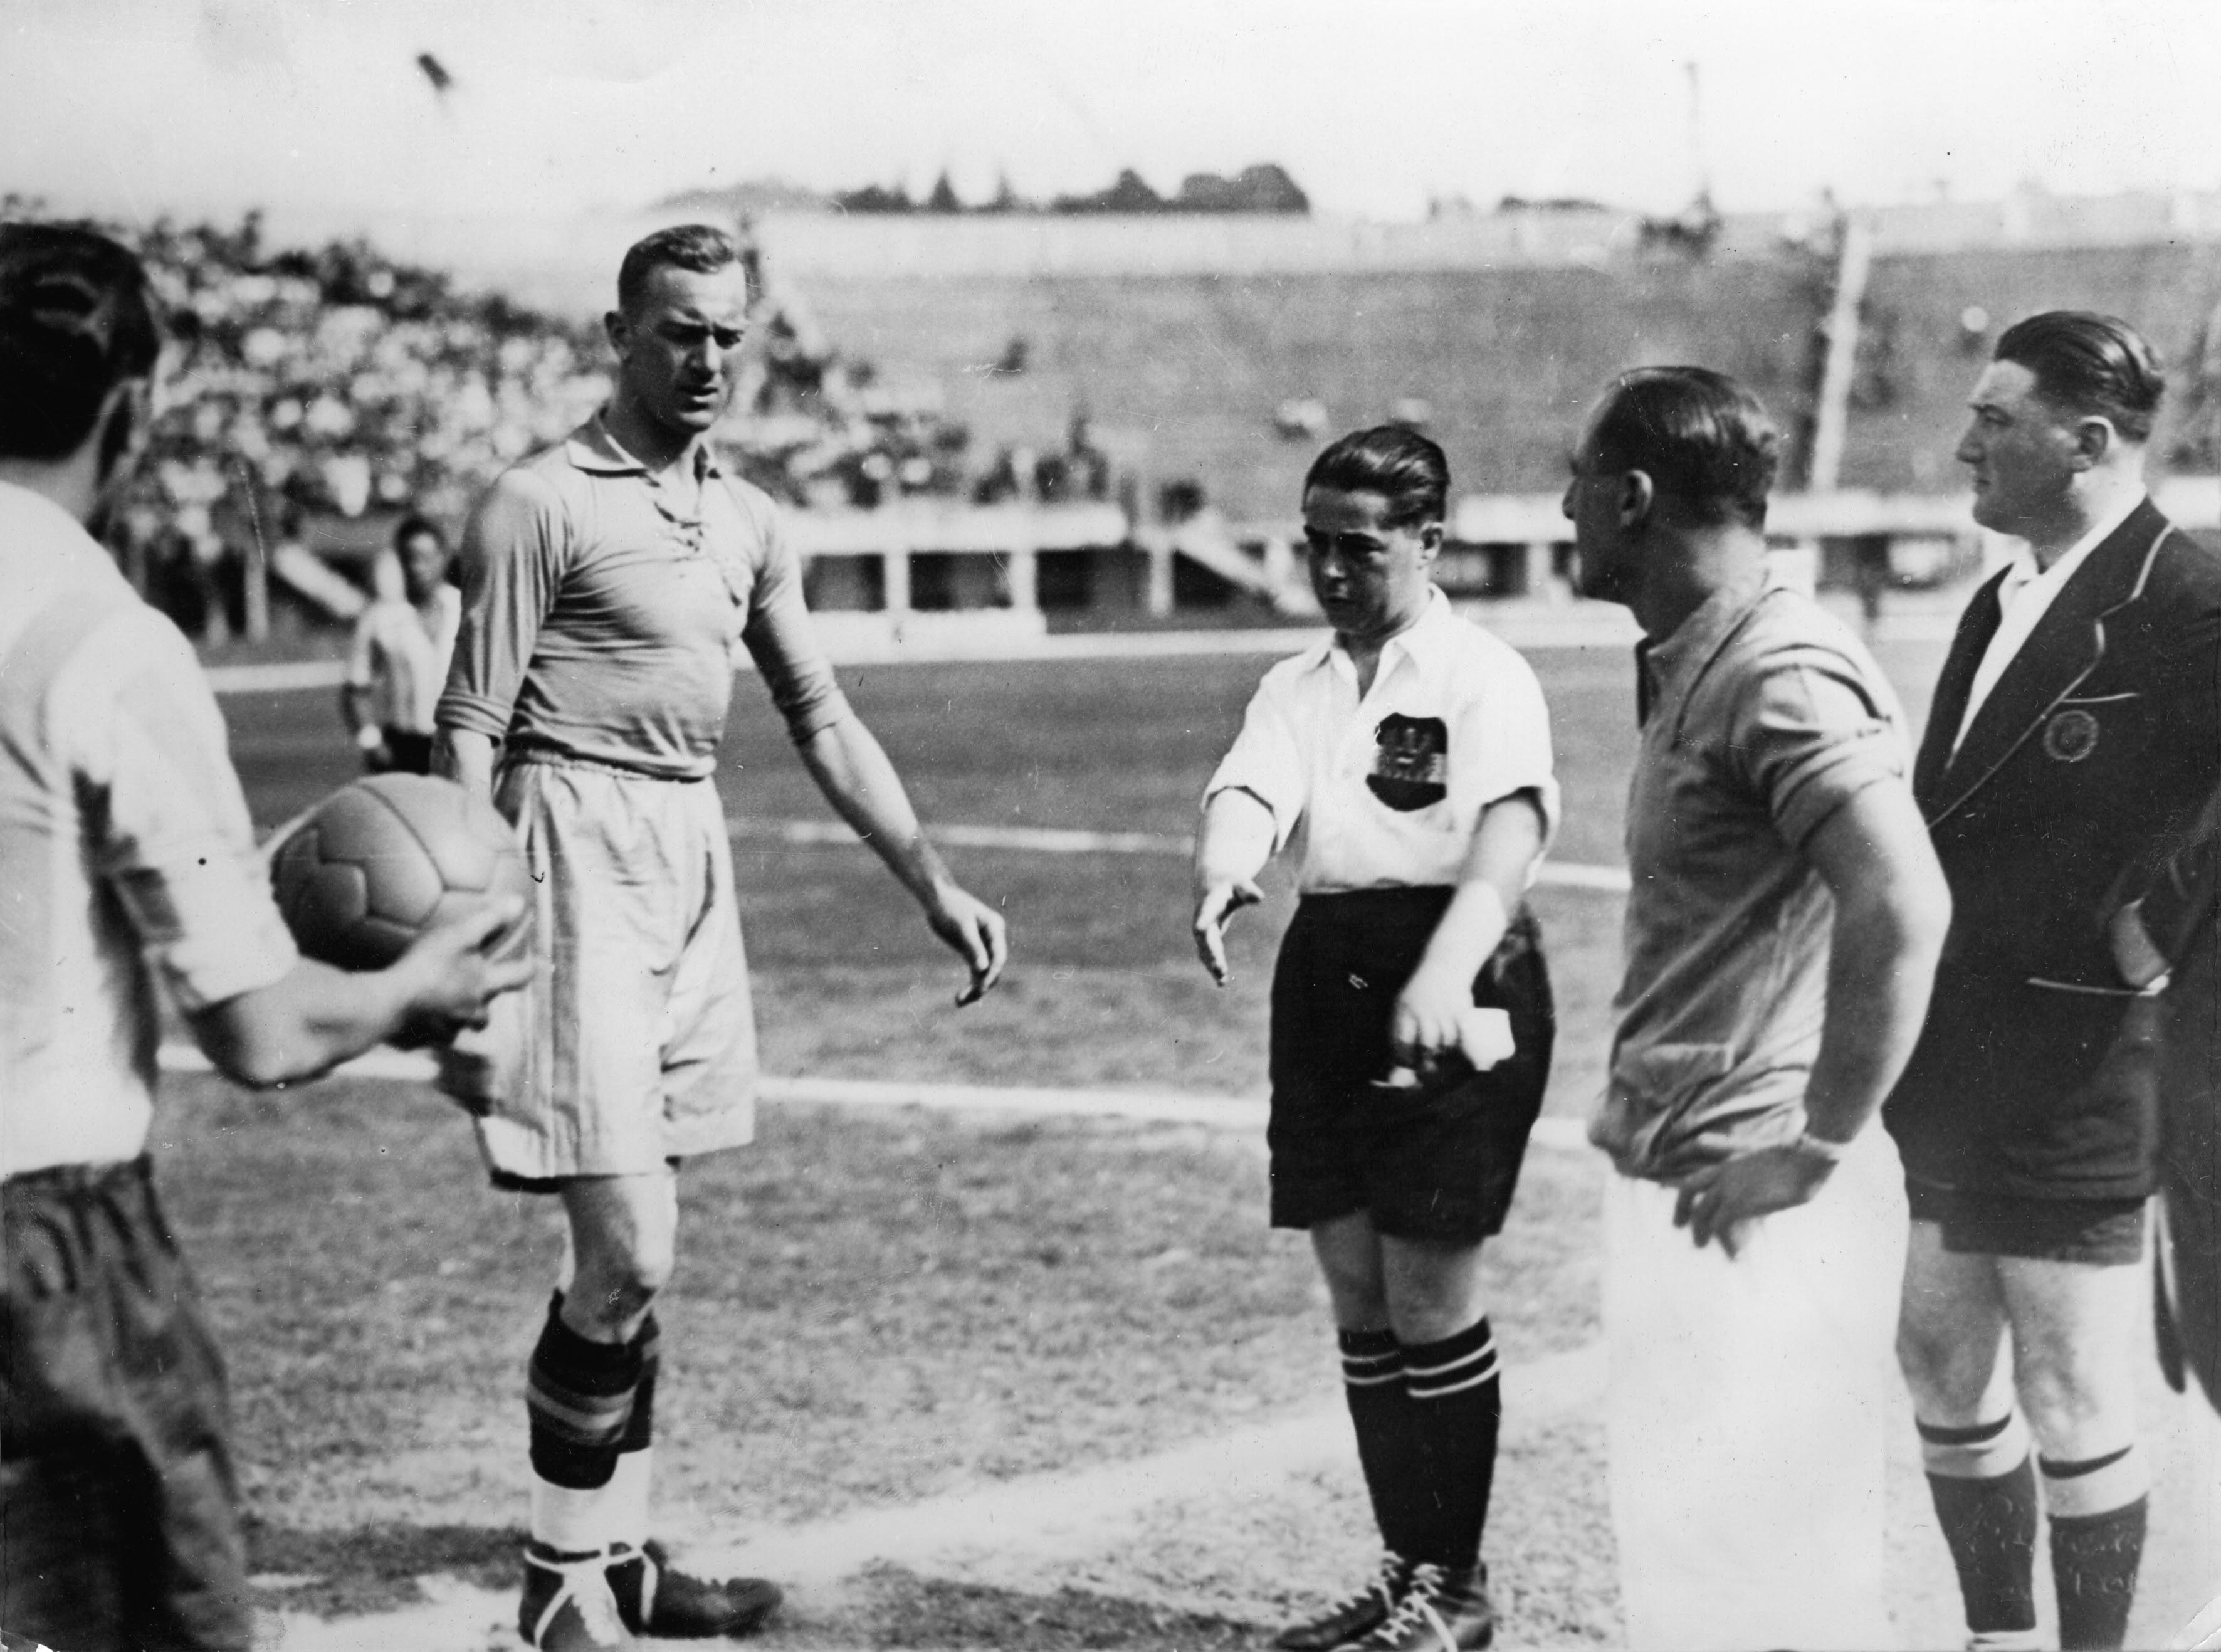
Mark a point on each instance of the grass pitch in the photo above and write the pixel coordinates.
(874, 1311)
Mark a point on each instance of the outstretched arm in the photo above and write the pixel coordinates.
(1892, 907)
(853, 771)
(1231, 848)
(313, 1016)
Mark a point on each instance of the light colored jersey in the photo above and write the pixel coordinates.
(1386, 790)
(1763, 716)
(400, 657)
(602, 618)
(125, 847)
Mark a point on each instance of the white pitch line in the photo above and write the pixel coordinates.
(1049, 1515)
(1239, 1113)
(1066, 840)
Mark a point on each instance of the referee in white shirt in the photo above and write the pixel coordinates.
(1407, 760)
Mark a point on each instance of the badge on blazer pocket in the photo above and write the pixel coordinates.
(1412, 763)
(2071, 735)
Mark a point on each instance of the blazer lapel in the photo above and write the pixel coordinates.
(2065, 647)
(1947, 708)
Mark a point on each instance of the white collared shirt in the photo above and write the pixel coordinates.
(2024, 597)
(1386, 790)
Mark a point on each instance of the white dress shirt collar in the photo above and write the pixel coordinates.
(2025, 595)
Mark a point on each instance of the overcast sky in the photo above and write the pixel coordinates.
(1376, 106)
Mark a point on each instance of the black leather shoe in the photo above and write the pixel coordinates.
(1356, 1615)
(655, 1597)
(1440, 1611)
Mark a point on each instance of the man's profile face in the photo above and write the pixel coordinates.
(1594, 492)
(2019, 450)
(679, 348)
(1371, 577)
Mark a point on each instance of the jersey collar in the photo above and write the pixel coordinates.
(1422, 643)
(592, 448)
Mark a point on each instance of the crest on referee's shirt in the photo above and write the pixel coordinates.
(1412, 762)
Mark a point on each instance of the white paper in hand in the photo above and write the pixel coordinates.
(1484, 1037)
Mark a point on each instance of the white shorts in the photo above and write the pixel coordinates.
(635, 1044)
(1748, 1412)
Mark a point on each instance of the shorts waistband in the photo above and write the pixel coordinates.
(81, 1179)
(547, 758)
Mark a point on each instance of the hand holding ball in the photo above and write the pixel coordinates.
(370, 870)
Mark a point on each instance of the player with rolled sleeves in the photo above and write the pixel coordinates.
(610, 587)
(398, 660)
(125, 856)
(2074, 728)
(1782, 928)
(1406, 758)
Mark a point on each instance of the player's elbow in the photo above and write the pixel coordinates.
(253, 1041)
(1899, 921)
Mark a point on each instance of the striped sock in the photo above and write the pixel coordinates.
(1457, 1404)
(2099, 1508)
(1983, 1482)
(640, 1426)
(1380, 1412)
(578, 1397)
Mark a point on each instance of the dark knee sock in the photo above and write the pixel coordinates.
(1983, 1481)
(1457, 1403)
(640, 1426)
(1380, 1412)
(2097, 1509)
(578, 1395)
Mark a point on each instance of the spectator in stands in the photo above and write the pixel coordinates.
(402, 641)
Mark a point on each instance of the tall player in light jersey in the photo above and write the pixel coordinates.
(610, 586)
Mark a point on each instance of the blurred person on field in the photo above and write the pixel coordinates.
(127, 859)
(404, 641)
(612, 585)
(1785, 919)
(1405, 763)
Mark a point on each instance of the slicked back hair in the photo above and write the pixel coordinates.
(696, 247)
(76, 319)
(2087, 364)
(1401, 465)
(1705, 441)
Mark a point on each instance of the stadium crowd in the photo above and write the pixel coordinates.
(336, 382)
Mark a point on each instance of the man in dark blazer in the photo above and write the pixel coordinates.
(2167, 937)
(2075, 732)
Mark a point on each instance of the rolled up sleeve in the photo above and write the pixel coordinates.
(511, 567)
(1512, 728)
(784, 644)
(1810, 735)
(1266, 761)
(174, 839)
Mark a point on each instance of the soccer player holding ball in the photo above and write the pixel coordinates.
(126, 854)
(1404, 761)
(609, 585)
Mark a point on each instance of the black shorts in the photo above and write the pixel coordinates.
(116, 1488)
(1438, 1162)
(2097, 1232)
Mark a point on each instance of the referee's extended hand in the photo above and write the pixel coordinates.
(976, 932)
(1715, 1203)
(1214, 904)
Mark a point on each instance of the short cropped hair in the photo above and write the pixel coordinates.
(76, 319)
(697, 247)
(413, 524)
(1704, 440)
(1400, 465)
(2088, 365)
